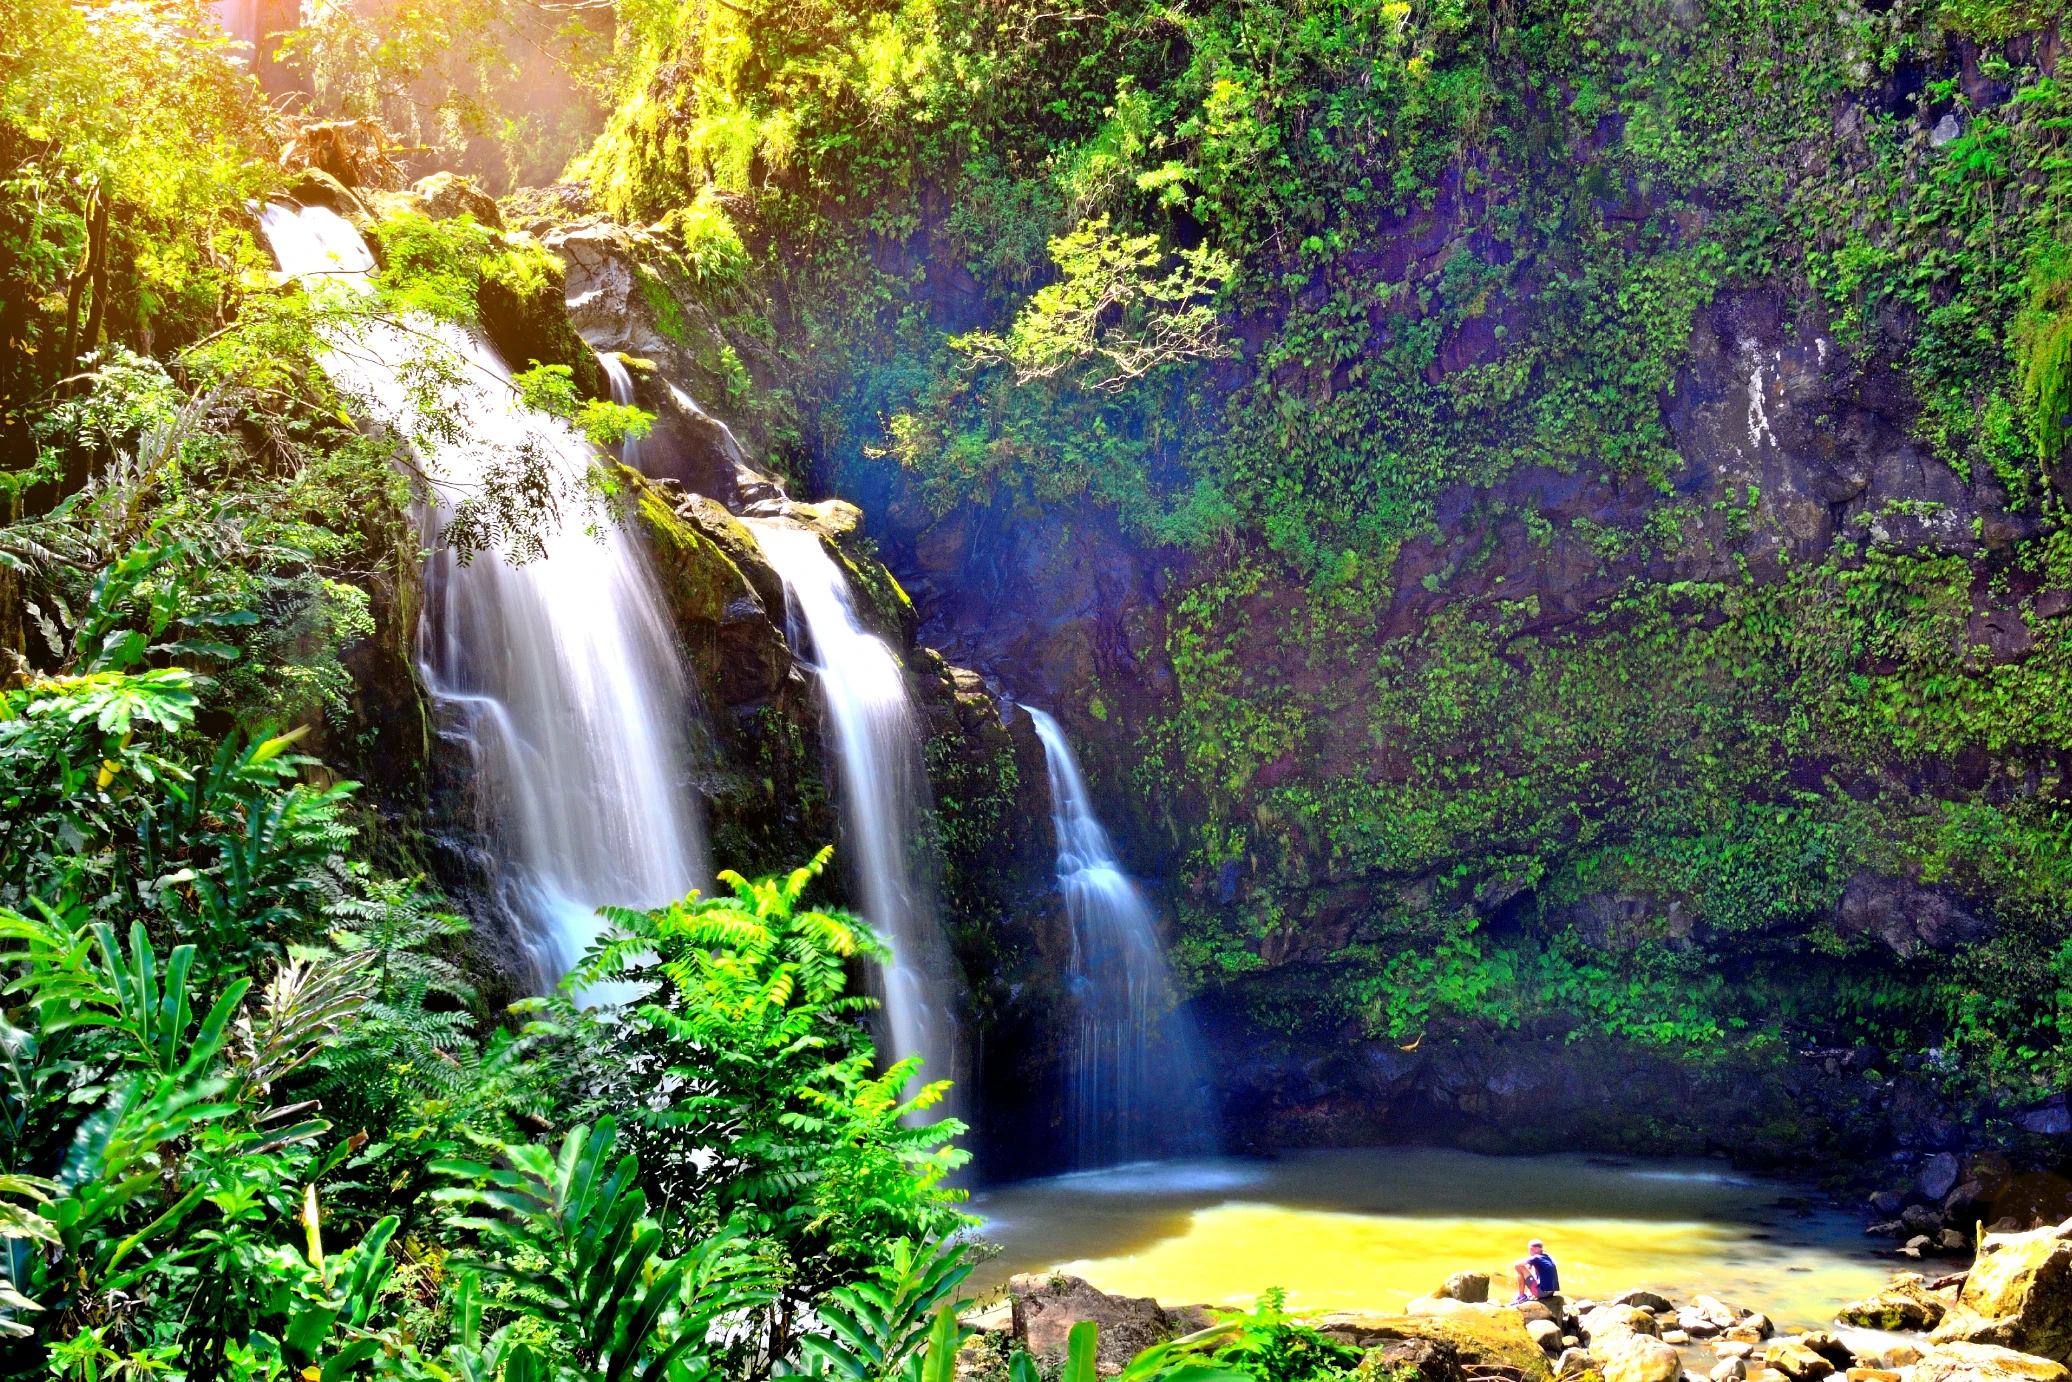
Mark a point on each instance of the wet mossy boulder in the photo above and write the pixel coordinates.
(1905, 1304)
(731, 536)
(315, 187)
(1410, 1360)
(737, 651)
(523, 309)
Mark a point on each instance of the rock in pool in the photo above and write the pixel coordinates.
(1796, 1361)
(1905, 1304)
(1607, 1320)
(1472, 1287)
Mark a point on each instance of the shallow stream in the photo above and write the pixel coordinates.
(1369, 1228)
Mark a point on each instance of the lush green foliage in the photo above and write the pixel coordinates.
(192, 1183)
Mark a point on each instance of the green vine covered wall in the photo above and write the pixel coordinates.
(1601, 577)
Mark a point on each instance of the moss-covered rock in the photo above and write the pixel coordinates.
(522, 302)
(315, 187)
(444, 195)
(1905, 1304)
(734, 638)
(2017, 1295)
(1490, 1338)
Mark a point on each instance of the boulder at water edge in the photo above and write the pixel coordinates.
(1630, 1357)
(1488, 1339)
(1640, 1300)
(1968, 1362)
(1905, 1304)
(1607, 1320)
(2017, 1295)
(1048, 1304)
(1829, 1347)
(1796, 1361)
(1472, 1287)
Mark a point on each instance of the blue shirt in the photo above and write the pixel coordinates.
(1543, 1273)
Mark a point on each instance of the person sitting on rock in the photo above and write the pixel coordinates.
(1536, 1273)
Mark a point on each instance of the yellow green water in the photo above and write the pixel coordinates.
(1368, 1229)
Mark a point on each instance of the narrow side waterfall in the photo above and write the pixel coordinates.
(559, 679)
(621, 380)
(1135, 1083)
(878, 765)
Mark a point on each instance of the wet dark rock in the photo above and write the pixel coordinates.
(525, 316)
(1829, 1347)
(1419, 1359)
(1922, 1219)
(2051, 1119)
(1908, 917)
(315, 187)
(2002, 634)
(1938, 1176)
(1965, 1203)
(1651, 1301)
(1048, 1304)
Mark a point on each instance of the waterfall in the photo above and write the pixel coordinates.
(877, 750)
(1135, 1088)
(621, 381)
(559, 678)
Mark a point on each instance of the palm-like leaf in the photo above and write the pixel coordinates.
(304, 1006)
(574, 1231)
(877, 1331)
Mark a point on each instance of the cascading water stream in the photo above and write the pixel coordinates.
(559, 678)
(877, 749)
(1135, 1083)
(621, 380)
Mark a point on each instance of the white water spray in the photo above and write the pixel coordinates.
(1135, 1082)
(877, 750)
(559, 678)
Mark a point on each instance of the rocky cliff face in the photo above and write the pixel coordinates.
(1621, 702)
(1800, 477)
(1794, 456)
